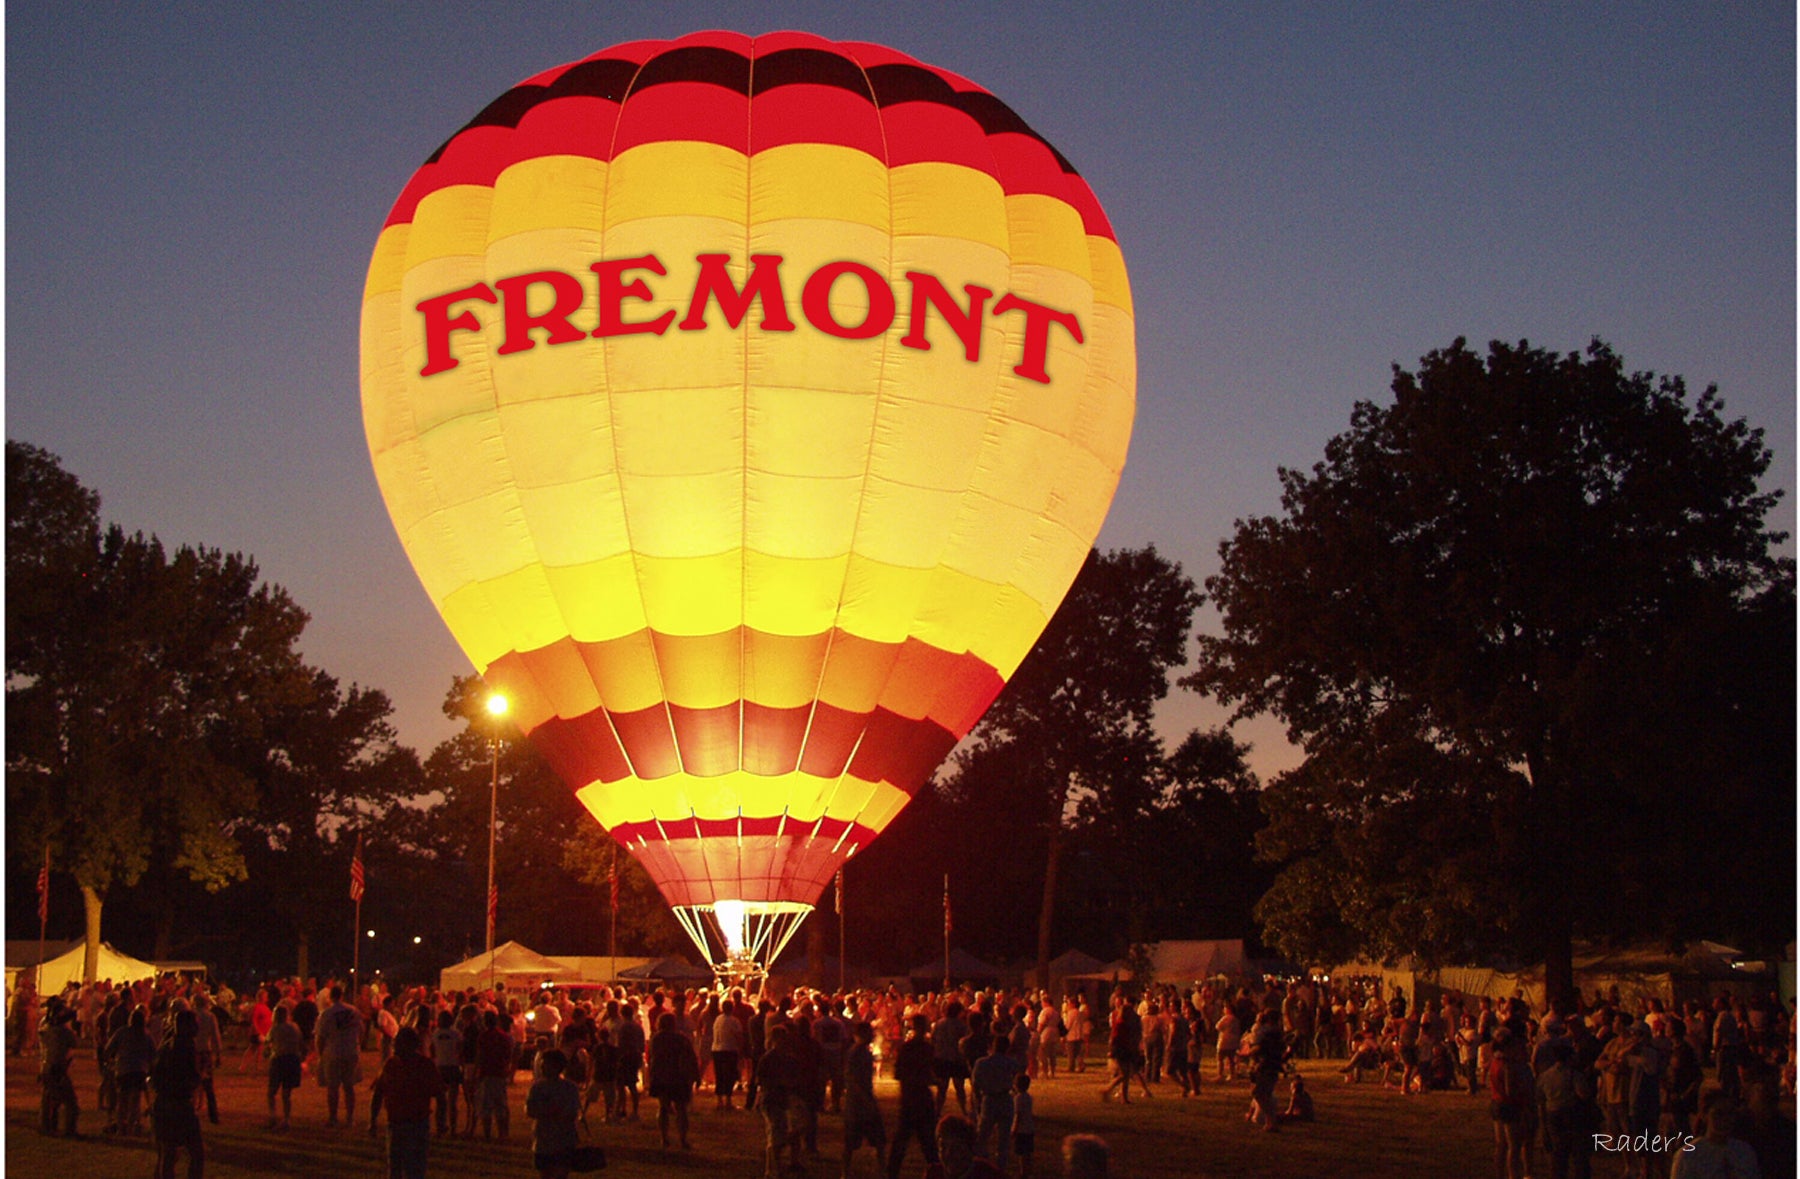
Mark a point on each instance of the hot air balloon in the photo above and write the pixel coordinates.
(746, 406)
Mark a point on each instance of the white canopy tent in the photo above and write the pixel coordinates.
(62, 963)
(516, 966)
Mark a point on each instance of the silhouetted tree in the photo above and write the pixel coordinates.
(1073, 729)
(133, 677)
(1513, 618)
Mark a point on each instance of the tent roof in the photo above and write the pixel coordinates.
(668, 969)
(510, 960)
(596, 968)
(20, 954)
(1188, 960)
(63, 961)
(1074, 962)
(962, 965)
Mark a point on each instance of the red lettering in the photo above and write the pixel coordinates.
(1038, 319)
(927, 293)
(614, 291)
(815, 301)
(439, 323)
(515, 303)
(761, 285)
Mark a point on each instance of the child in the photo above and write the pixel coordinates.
(1300, 1103)
(1024, 1125)
(553, 1104)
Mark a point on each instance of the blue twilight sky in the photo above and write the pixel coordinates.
(1305, 194)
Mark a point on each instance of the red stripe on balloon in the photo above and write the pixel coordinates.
(698, 88)
(700, 862)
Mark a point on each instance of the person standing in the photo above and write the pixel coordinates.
(728, 1042)
(674, 1070)
(777, 1096)
(339, 1038)
(129, 1054)
(992, 1080)
(174, 1081)
(446, 1056)
(262, 1018)
(632, 1046)
(211, 1046)
(862, 1115)
(1024, 1126)
(913, 1069)
(553, 1103)
(286, 1048)
(495, 1051)
(1125, 1051)
(56, 1050)
(947, 1063)
(408, 1085)
(1049, 1034)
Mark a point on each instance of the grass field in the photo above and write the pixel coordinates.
(1362, 1131)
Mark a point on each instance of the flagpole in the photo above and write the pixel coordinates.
(612, 940)
(43, 921)
(946, 931)
(356, 894)
(496, 706)
(838, 904)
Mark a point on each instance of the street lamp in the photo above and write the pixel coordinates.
(496, 706)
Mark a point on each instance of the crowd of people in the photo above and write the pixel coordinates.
(1570, 1083)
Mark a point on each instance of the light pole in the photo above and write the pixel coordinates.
(496, 706)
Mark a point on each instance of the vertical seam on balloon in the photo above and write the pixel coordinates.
(868, 463)
(744, 438)
(969, 497)
(612, 430)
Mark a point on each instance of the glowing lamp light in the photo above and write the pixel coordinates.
(496, 705)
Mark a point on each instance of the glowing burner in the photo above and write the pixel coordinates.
(742, 939)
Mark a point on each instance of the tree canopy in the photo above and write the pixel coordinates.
(1512, 618)
(1072, 734)
(135, 677)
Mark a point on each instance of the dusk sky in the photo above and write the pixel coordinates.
(1304, 197)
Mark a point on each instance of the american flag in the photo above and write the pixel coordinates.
(356, 872)
(493, 908)
(44, 889)
(946, 904)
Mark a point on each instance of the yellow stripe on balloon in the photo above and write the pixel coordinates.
(677, 178)
(818, 182)
(1043, 231)
(387, 264)
(549, 193)
(1111, 286)
(949, 201)
(450, 222)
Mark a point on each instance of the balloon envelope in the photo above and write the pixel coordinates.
(746, 407)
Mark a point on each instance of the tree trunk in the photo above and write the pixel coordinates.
(815, 950)
(91, 901)
(1559, 969)
(165, 933)
(1052, 861)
